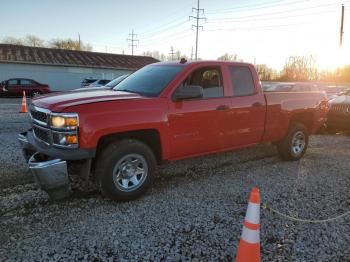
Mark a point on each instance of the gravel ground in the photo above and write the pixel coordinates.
(194, 211)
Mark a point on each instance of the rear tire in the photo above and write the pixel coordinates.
(294, 144)
(125, 169)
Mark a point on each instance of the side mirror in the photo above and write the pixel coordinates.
(188, 92)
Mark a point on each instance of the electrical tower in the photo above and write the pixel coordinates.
(197, 26)
(172, 53)
(342, 25)
(132, 40)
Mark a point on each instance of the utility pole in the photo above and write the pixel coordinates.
(342, 25)
(172, 53)
(132, 40)
(79, 45)
(192, 53)
(197, 26)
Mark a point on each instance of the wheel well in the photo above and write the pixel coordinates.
(304, 118)
(150, 137)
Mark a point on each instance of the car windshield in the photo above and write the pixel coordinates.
(116, 81)
(150, 80)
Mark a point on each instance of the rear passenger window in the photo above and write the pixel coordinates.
(209, 79)
(26, 82)
(242, 81)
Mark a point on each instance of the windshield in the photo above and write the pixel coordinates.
(150, 80)
(116, 81)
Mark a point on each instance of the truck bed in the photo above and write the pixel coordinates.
(282, 107)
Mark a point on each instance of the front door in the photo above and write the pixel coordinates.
(199, 126)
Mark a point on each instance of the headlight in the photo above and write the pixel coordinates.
(65, 129)
(64, 121)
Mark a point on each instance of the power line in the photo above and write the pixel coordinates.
(165, 28)
(197, 26)
(254, 7)
(271, 27)
(132, 40)
(227, 19)
(165, 37)
(165, 24)
(236, 20)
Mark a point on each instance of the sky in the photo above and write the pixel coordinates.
(260, 31)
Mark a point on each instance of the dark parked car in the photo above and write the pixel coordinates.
(88, 81)
(110, 85)
(100, 82)
(338, 118)
(16, 86)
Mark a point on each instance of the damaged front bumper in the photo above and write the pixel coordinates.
(50, 173)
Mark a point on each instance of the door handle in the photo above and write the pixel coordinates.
(223, 108)
(257, 104)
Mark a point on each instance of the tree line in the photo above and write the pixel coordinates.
(296, 68)
(34, 41)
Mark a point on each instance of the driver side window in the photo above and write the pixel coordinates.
(209, 79)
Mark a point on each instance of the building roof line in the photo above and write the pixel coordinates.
(61, 57)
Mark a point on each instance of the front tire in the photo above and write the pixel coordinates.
(125, 169)
(294, 144)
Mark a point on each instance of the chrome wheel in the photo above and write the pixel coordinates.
(130, 172)
(298, 143)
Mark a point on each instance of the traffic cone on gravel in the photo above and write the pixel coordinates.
(23, 108)
(249, 245)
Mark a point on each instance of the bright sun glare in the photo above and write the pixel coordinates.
(332, 59)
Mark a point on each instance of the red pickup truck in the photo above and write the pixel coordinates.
(164, 111)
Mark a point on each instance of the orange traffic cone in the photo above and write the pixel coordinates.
(249, 245)
(23, 108)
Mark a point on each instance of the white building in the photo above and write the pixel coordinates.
(64, 69)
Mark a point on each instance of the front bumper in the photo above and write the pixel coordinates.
(49, 172)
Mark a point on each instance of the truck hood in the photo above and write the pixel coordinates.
(57, 102)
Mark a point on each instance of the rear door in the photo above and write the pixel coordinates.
(199, 126)
(248, 109)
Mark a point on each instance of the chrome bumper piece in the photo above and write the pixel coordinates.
(50, 174)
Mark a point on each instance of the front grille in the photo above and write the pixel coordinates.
(42, 134)
(40, 116)
(340, 108)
